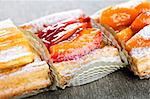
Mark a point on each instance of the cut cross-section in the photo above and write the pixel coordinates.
(86, 41)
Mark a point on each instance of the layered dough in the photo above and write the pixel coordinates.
(141, 61)
(15, 50)
(67, 69)
(21, 69)
(75, 48)
(131, 24)
(140, 52)
(19, 81)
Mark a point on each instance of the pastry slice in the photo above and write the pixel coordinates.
(90, 67)
(83, 59)
(139, 48)
(22, 71)
(78, 52)
(131, 33)
(122, 15)
(15, 49)
(24, 80)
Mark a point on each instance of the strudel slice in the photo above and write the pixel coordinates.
(130, 23)
(15, 50)
(24, 80)
(90, 67)
(77, 50)
(22, 70)
(139, 49)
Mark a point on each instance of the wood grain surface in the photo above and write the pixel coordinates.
(121, 84)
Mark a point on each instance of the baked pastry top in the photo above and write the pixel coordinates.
(22, 71)
(130, 21)
(74, 46)
(15, 49)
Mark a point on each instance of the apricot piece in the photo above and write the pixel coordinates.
(142, 20)
(117, 17)
(124, 35)
(87, 40)
(141, 39)
(143, 7)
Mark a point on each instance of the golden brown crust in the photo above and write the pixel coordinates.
(21, 69)
(15, 49)
(141, 66)
(10, 34)
(24, 80)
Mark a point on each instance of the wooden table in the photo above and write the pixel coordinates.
(121, 84)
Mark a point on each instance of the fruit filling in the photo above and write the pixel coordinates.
(118, 17)
(128, 19)
(71, 39)
(86, 41)
(141, 21)
(61, 31)
(141, 39)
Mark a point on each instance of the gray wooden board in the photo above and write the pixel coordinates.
(121, 84)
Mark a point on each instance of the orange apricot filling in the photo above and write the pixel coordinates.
(86, 41)
(143, 7)
(118, 17)
(141, 39)
(141, 21)
(124, 35)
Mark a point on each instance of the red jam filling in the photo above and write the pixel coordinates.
(86, 41)
(61, 31)
(71, 39)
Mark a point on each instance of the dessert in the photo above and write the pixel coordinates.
(139, 49)
(131, 32)
(78, 52)
(21, 69)
(141, 20)
(22, 81)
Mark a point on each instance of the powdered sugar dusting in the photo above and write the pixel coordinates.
(52, 19)
(129, 4)
(140, 52)
(13, 53)
(6, 24)
(147, 13)
(4, 32)
(145, 32)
